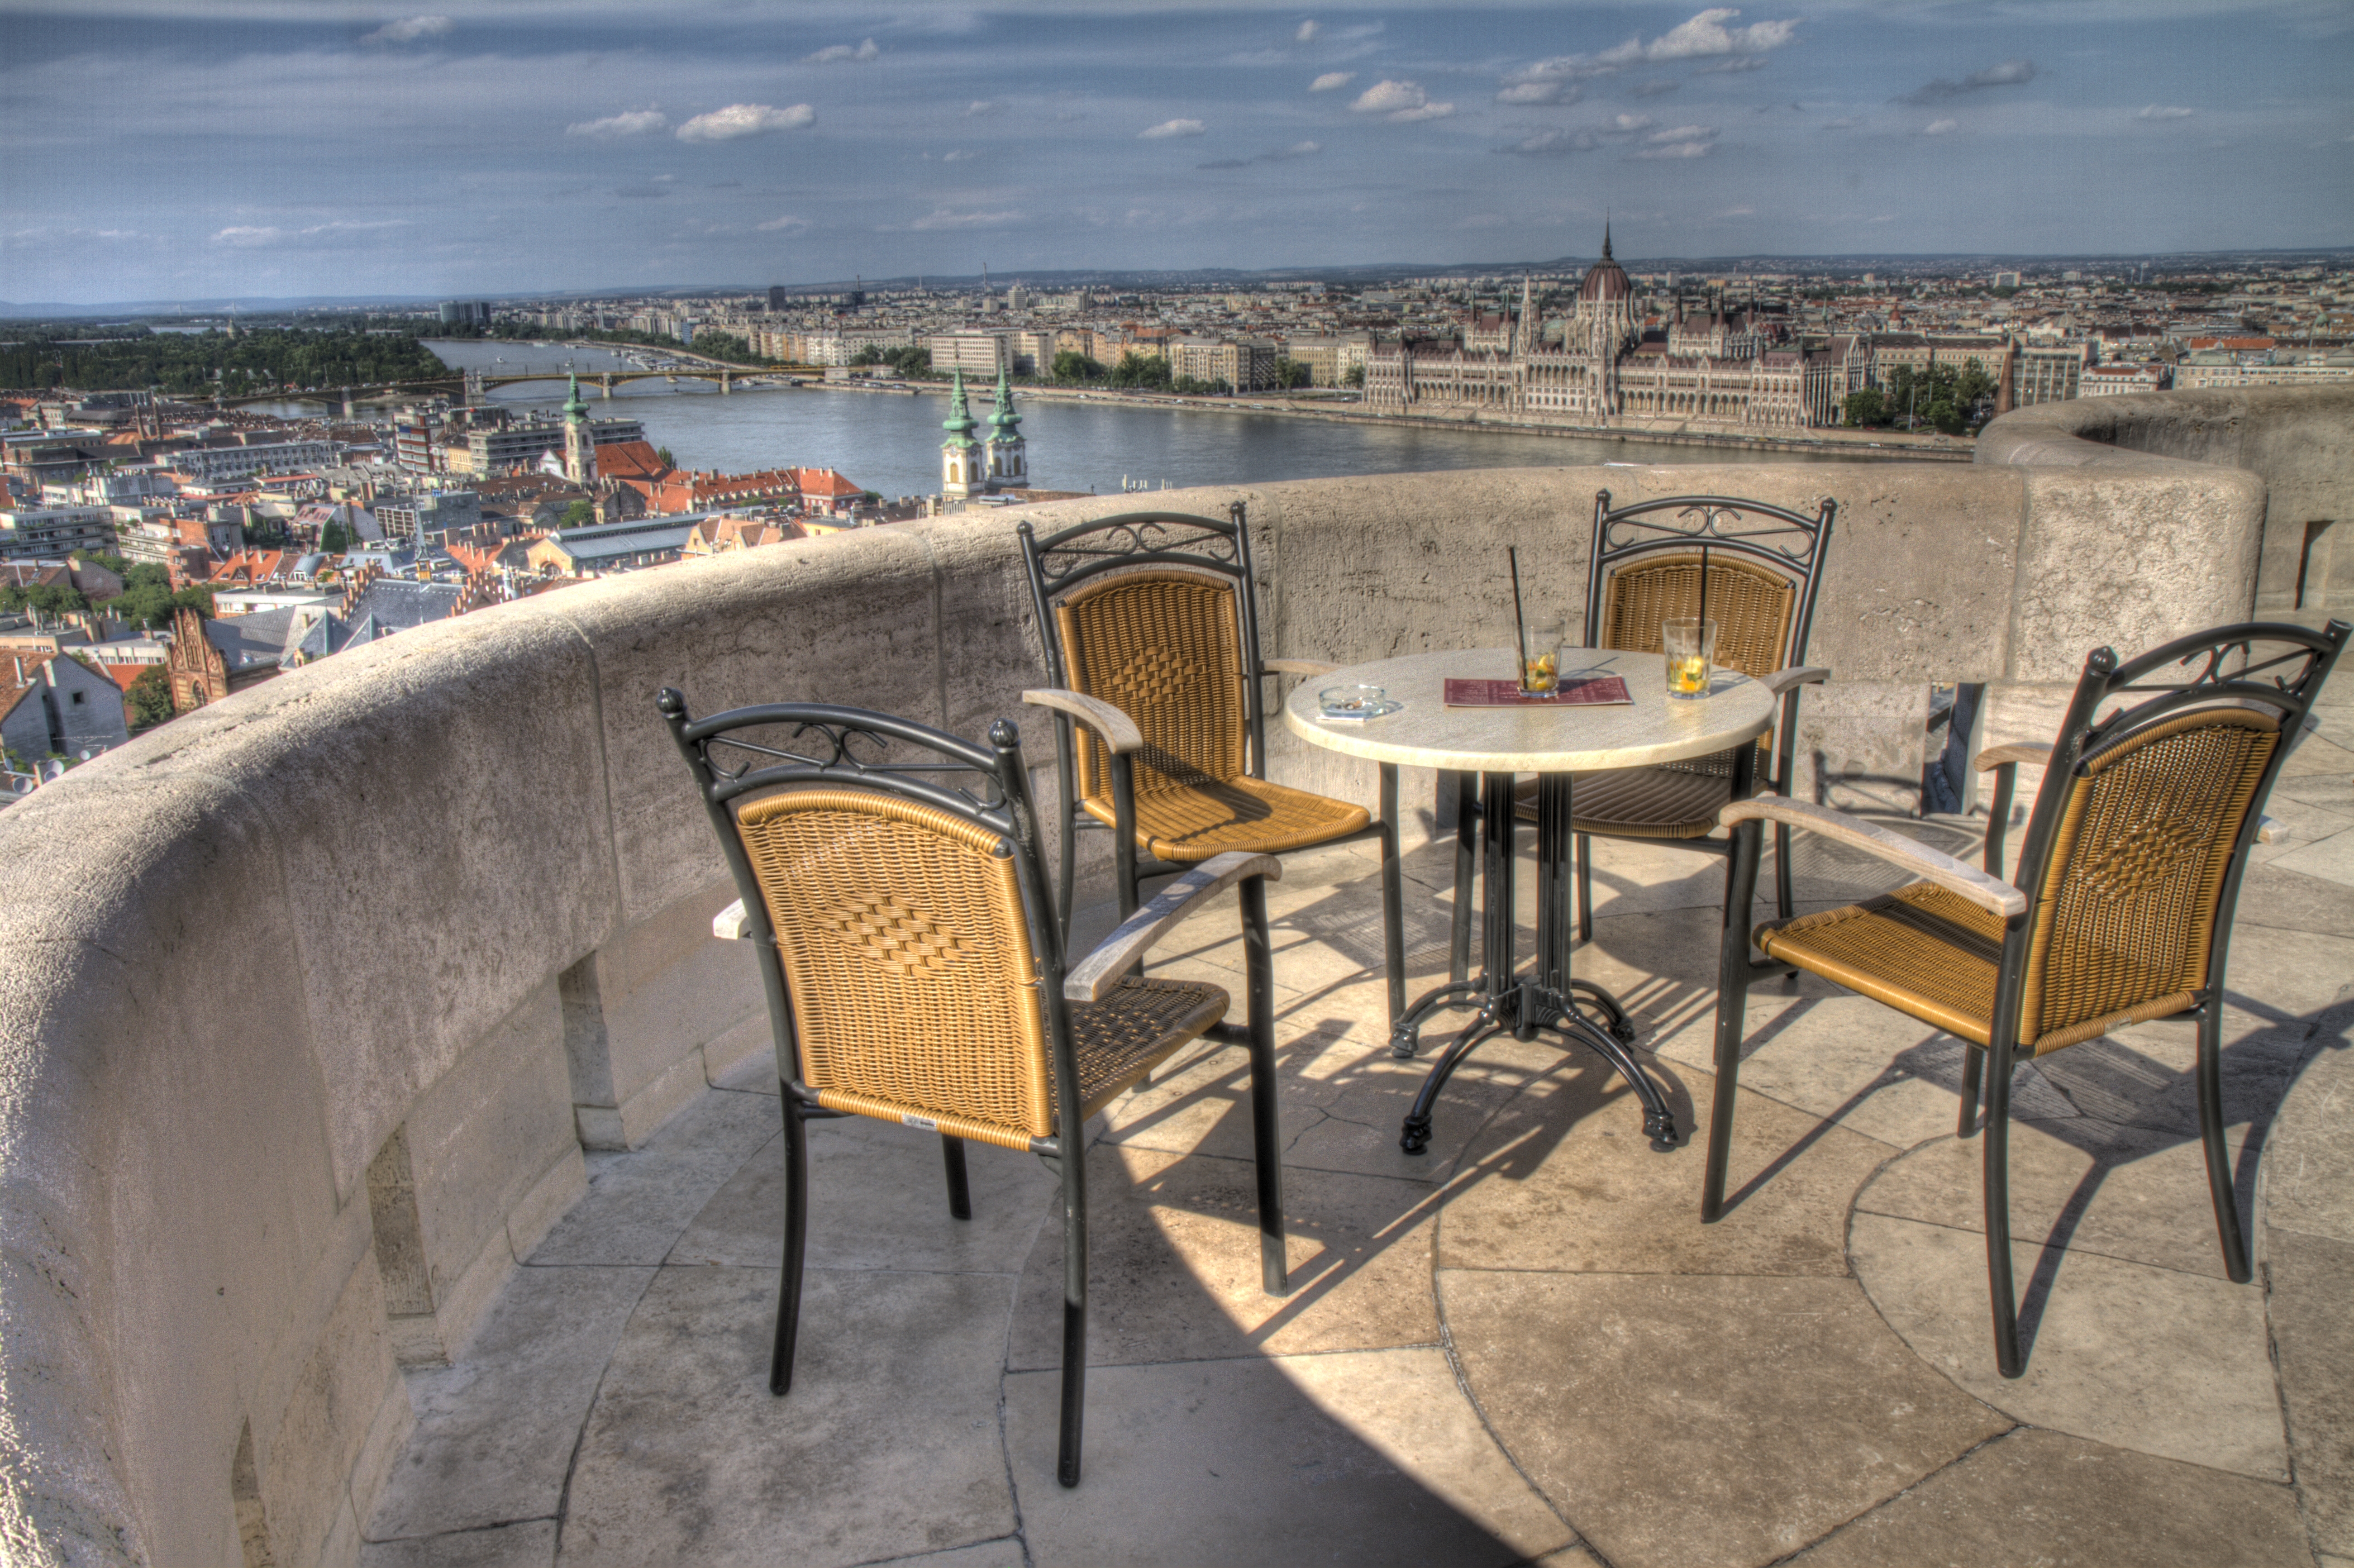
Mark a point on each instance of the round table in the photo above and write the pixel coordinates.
(1553, 743)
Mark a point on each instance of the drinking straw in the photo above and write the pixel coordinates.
(1704, 590)
(1519, 627)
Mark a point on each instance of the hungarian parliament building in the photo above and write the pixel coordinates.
(1725, 370)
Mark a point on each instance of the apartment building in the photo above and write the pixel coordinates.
(210, 465)
(53, 532)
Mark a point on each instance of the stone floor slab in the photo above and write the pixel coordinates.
(2089, 1185)
(1694, 1420)
(1172, 1245)
(888, 1446)
(530, 1544)
(1004, 1553)
(1366, 1458)
(2274, 899)
(496, 1428)
(2048, 1499)
(639, 1201)
(1563, 1179)
(2311, 1284)
(2309, 1173)
(878, 1198)
(2148, 1359)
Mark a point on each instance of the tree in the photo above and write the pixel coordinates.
(149, 698)
(909, 361)
(1072, 365)
(53, 599)
(1866, 408)
(667, 461)
(1355, 376)
(579, 514)
(334, 539)
(1144, 372)
(871, 354)
(1289, 372)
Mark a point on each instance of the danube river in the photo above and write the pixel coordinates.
(889, 442)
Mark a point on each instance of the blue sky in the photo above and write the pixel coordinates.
(283, 147)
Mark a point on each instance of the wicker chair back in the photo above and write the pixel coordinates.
(2126, 917)
(1751, 604)
(1165, 648)
(907, 960)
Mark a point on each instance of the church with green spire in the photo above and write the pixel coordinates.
(579, 441)
(1009, 461)
(962, 473)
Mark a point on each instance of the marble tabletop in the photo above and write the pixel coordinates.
(1426, 733)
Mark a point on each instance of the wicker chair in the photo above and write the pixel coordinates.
(1644, 567)
(915, 972)
(2120, 911)
(1149, 622)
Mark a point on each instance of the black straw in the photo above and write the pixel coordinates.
(1704, 590)
(1519, 626)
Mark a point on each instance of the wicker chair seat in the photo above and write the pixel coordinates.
(1933, 956)
(1182, 823)
(1640, 802)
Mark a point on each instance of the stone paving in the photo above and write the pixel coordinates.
(1521, 1347)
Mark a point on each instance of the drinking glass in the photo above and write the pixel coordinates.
(1541, 638)
(1690, 644)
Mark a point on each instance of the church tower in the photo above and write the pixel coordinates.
(580, 444)
(961, 455)
(1009, 461)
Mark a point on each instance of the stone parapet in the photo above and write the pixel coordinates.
(309, 1000)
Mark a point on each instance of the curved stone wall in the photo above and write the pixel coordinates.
(2299, 441)
(310, 1000)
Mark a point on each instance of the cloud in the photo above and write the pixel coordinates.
(634, 122)
(1225, 163)
(1844, 123)
(1704, 34)
(784, 225)
(1627, 124)
(959, 155)
(1560, 67)
(1332, 81)
(1307, 34)
(942, 218)
(1540, 92)
(1553, 143)
(1682, 142)
(1655, 88)
(836, 52)
(408, 30)
(1169, 128)
(1941, 128)
(2160, 111)
(242, 237)
(980, 107)
(1403, 101)
(2009, 74)
(1738, 63)
(1296, 150)
(740, 119)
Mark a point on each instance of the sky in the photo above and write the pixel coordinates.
(157, 150)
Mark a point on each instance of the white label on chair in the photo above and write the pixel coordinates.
(912, 1120)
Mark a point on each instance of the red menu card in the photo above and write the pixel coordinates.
(1594, 691)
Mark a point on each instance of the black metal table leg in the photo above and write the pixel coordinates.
(1549, 997)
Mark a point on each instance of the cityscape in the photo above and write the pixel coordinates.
(987, 786)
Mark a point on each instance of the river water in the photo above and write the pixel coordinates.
(889, 442)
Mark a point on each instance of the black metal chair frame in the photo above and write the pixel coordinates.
(822, 746)
(1680, 523)
(2084, 733)
(1062, 561)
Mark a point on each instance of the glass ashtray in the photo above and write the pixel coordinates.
(1354, 702)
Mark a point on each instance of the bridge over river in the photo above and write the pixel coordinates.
(475, 385)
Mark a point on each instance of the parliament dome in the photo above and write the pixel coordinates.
(1606, 280)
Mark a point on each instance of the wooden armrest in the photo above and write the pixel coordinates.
(1781, 681)
(731, 924)
(1118, 731)
(1119, 952)
(1296, 667)
(1994, 756)
(1995, 897)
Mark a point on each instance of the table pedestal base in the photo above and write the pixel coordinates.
(1549, 998)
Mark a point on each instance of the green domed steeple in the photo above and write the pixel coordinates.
(1004, 423)
(959, 422)
(574, 409)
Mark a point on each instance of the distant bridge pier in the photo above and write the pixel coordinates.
(347, 402)
(606, 381)
(473, 384)
(726, 382)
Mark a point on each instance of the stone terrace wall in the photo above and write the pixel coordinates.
(309, 1000)
(2299, 441)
